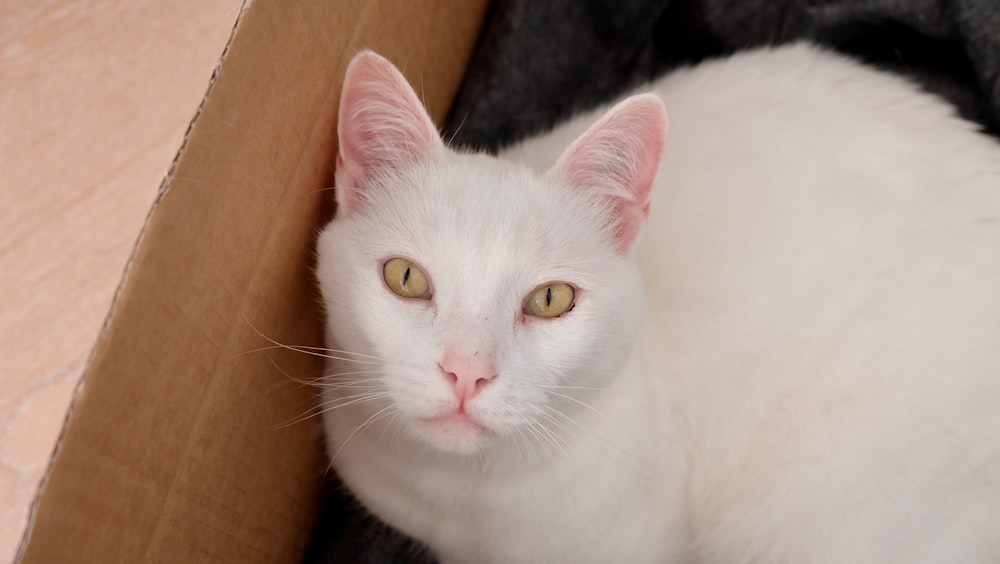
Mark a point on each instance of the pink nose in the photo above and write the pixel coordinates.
(467, 374)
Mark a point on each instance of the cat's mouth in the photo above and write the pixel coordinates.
(458, 419)
(457, 431)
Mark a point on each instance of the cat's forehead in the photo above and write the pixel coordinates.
(484, 213)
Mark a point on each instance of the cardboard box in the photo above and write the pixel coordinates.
(181, 444)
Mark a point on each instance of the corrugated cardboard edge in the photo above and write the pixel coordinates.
(178, 447)
(164, 187)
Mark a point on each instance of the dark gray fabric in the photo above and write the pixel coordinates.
(538, 61)
(345, 532)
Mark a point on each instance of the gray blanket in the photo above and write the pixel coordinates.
(539, 61)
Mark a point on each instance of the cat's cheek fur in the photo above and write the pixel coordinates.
(386, 326)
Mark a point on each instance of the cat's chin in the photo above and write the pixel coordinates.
(454, 433)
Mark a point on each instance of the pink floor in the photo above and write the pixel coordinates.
(94, 98)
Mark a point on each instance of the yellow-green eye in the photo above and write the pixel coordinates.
(406, 279)
(550, 300)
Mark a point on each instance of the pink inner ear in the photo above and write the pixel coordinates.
(383, 127)
(616, 161)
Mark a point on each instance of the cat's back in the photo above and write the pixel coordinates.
(801, 189)
(822, 264)
(799, 185)
(825, 208)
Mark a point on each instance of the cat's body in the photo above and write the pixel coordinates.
(811, 375)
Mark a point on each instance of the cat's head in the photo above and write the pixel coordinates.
(494, 297)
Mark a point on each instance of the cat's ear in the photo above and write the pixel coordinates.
(383, 127)
(616, 162)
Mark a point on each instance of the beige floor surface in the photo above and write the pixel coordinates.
(94, 98)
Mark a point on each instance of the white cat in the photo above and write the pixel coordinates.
(797, 361)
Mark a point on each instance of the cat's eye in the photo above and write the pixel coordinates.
(550, 300)
(406, 279)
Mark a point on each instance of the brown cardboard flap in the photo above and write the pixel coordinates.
(177, 447)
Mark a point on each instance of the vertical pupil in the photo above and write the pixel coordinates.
(406, 276)
(548, 296)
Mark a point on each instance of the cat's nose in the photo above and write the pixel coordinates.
(467, 374)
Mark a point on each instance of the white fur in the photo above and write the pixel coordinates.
(812, 374)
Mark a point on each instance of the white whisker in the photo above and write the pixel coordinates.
(338, 375)
(367, 422)
(596, 473)
(557, 387)
(336, 403)
(556, 422)
(638, 465)
(330, 356)
(329, 384)
(552, 438)
(332, 382)
(517, 446)
(537, 440)
(393, 418)
(307, 349)
(578, 402)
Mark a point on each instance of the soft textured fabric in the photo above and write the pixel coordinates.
(346, 532)
(538, 62)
